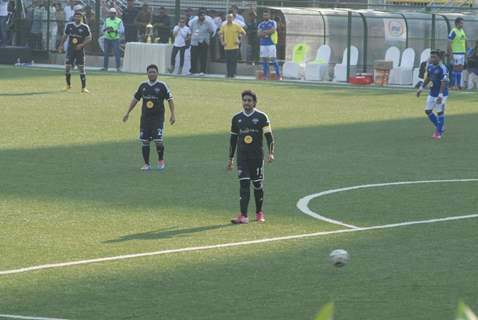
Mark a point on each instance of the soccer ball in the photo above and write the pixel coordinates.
(339, 258)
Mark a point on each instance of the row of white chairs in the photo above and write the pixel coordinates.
(402, 72)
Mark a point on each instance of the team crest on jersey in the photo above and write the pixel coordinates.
(248, 139)
(150, 104)
(255, 121)
(157, 90)
(240, 120)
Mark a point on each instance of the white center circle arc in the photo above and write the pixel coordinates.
(303, 203)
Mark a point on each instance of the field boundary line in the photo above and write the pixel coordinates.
(303, 203)
(229, 245)
(13, 316)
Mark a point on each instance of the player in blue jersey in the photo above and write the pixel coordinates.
(437, 75)
(267, 32)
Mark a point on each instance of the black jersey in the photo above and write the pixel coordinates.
(76, 33)
(250, 131)
(153, 95)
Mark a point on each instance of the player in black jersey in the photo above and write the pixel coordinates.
(78, 36)
(247, 131)
(153, 93)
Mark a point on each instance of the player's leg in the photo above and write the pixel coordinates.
(244, 192)
(68, 63)
(273, 54)
(429, 106)
(257, 177)
(106, 54)
(145, 138)
(265, 62)
(440, 108)
(80, 60)
(158, 140)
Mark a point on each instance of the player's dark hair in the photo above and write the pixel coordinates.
(152, 66)
(249, 93)
(436, 51)
(458, 20)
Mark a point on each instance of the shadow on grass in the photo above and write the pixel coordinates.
(21, 94)
(167, 233)
(308, 160)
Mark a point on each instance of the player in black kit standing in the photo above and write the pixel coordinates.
(78, 35)
(247, 131)
(153, 93)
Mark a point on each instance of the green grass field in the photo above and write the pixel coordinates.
(71, 189)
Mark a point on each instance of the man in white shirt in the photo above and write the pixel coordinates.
(181, 35)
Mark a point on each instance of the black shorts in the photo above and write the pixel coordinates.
(151, 131)
(75, 57)
(252, 169)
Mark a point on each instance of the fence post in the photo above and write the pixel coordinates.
(48, 8)
(177, 10)
(432, 38)
(349, 41)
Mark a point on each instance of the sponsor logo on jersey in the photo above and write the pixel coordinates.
(150, 104)
(248, 139)
(157, 90)
(74, 40)
(255, 121)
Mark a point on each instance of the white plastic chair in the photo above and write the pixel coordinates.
(423, 57)
(295, 69)
(318, 69)
(403, 75)
(340, 71)
(393, 54)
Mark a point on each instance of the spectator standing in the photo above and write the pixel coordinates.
(36, 27)
(69, 10)
(268, 51)
(143, 18)
(181, 35)
(112, 29)
(230, 35)
(162, 25)
(473, 68)
(457, 49)
(60, 19)
(129, 21)
(189, 15)
(237, 17)
(52, 29)
(201, 30)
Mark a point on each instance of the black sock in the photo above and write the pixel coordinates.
(145, 150)
(259, 196)
(83, 80)
(245, 193)
(68, 79)
(160, 150)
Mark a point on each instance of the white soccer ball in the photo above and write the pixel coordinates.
(339, 258)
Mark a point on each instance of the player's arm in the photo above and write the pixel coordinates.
(443, 85)
(169, 96)
(132, 104)
(84, 43)
(172, 118)
(232, 145)
(423, 86)
(270, 142)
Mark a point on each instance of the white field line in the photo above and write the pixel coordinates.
(303, 203)
(12, 316)
(229, 245)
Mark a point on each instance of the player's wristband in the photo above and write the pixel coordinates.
(440, 95)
